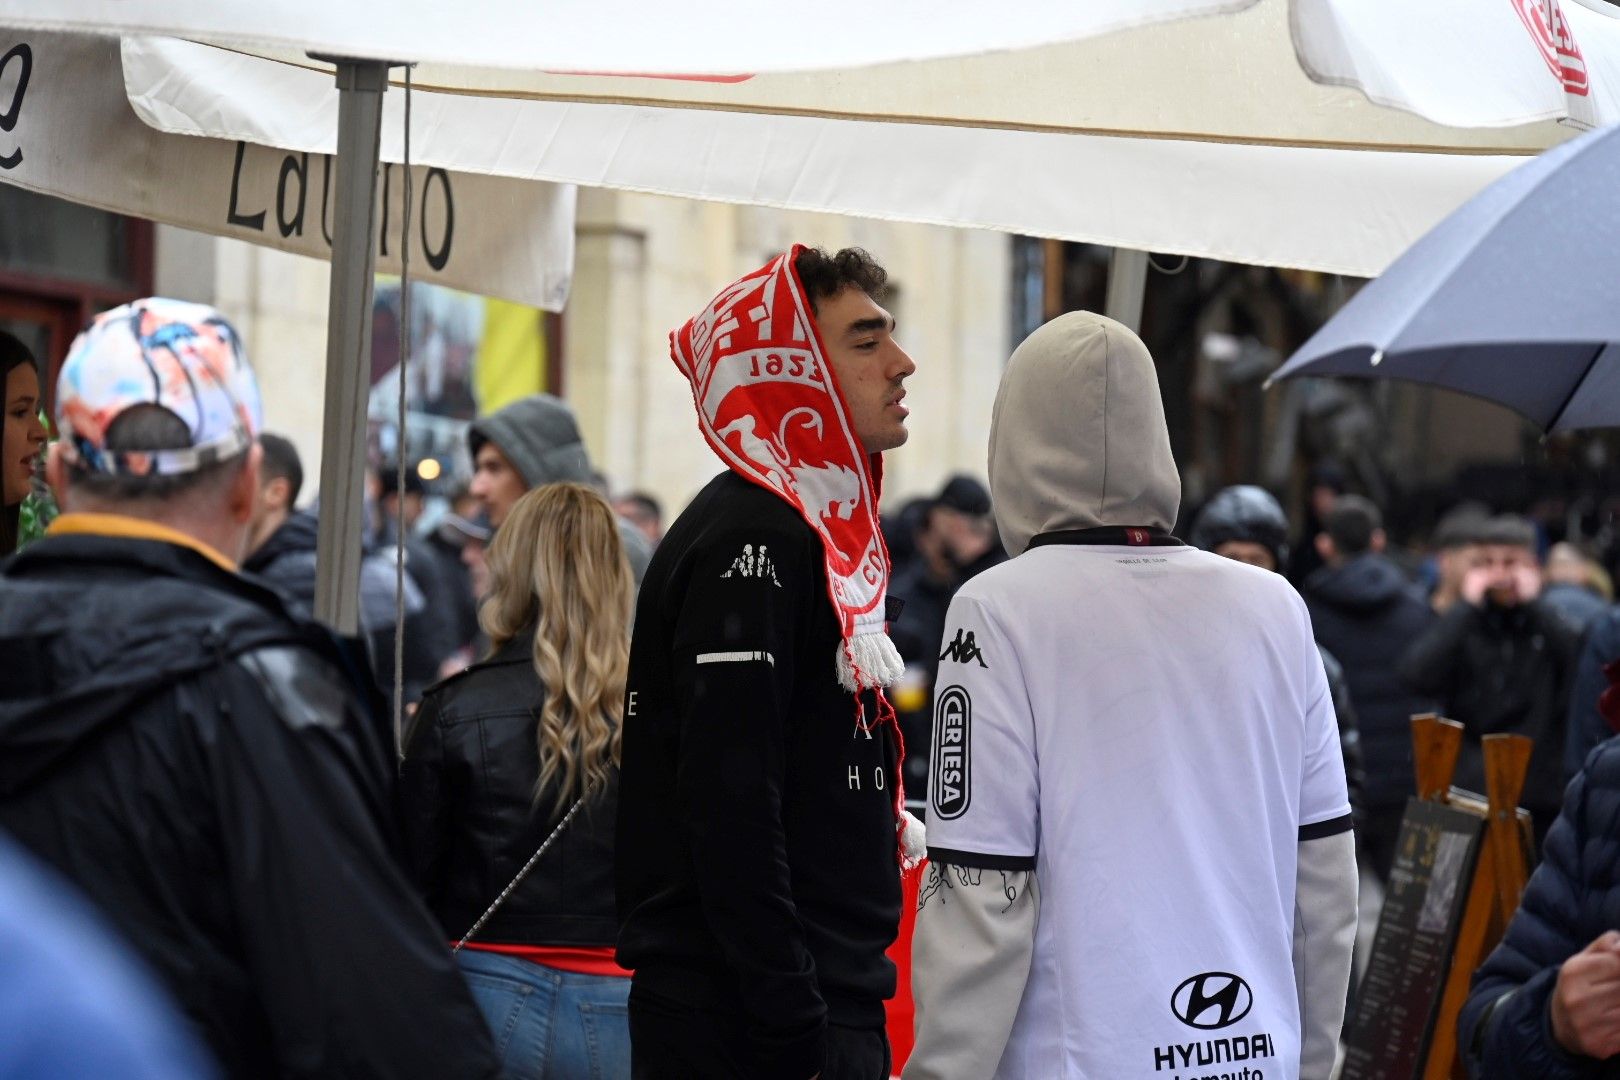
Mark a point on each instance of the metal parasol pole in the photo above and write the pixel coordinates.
(1127, 284)
(361, 84)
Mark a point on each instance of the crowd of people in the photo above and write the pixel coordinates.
(657, 784)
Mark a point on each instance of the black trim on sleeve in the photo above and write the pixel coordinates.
(1331, 827)
(975, 860)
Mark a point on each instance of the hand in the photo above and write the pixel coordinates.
(1586, 1000)
(1475, 582)
(1527, 583)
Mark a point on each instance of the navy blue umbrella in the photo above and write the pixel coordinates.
(1515, 297)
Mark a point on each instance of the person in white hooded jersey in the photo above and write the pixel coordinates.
(1142, 862)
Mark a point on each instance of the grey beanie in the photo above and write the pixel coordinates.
(539, 436)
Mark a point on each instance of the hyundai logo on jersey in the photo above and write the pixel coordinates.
(1213, 1000)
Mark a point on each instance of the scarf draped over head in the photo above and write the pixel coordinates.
(770, 406)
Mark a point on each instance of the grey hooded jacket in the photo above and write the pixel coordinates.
(540, 437)
(1078, 441)
(1077, 435)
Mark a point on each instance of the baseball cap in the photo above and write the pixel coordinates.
(965, 495)
(180, 356)
(460, 530)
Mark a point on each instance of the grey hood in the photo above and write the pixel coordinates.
(539, 436)
(1077, 437)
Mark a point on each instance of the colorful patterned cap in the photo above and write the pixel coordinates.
(184, 357)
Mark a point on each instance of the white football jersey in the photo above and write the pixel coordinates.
(1149, 729)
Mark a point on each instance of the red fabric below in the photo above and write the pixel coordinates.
(580, 961)
(901, 1013)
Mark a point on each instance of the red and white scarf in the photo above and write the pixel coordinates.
(770, 406)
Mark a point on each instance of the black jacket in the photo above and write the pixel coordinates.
(757, 862)
(1587, 727)
(461, 606)
(198, 763)
(287, 560)
(1367, 615)
(471, 820)
(1344, 710)
(1573, 897)
(1502, 670)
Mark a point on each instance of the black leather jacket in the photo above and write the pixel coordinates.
(200, 763)
(471, 820)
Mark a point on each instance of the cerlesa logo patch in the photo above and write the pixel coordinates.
(952, 768)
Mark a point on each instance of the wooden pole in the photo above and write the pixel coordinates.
(1435, 746)
(1507, 762)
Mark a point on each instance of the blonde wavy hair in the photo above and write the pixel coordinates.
(558, 564)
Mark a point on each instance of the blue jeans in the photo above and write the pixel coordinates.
(551, 1024)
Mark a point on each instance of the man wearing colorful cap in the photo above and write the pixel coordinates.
(192, 755)
(761, 831)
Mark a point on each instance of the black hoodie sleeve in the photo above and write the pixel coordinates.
(353, 976)
(737, 638)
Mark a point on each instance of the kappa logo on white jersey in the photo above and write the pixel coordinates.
(753, 564)
(964, 650)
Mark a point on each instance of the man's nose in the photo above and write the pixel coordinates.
(906, 367)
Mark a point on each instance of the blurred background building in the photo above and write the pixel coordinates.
(963, 300)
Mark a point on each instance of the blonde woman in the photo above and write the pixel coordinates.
(499, 754)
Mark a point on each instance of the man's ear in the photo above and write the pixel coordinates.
(277, 492)
(244, 493)
(1379, 541)
(56, 469)
(1325, 547)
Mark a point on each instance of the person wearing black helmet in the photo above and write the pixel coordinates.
(1246, 523)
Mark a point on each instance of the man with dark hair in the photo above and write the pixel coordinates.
(1368, 615)
(281, 465)
(1499, 660)
(758, 855)
(282, 548)
(533, 441)
(1352, 526)
(195, 757)
(281, 538)
(281, 479)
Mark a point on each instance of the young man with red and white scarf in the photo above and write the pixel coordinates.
(761, 828)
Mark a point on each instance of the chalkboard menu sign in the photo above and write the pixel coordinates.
(1411, 955)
